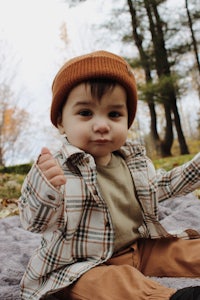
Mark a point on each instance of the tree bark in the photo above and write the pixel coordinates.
(163, 69)
(194, 42)
(146, 66)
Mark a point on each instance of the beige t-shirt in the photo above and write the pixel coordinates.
(117, 188)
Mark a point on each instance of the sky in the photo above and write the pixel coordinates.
(31, 29)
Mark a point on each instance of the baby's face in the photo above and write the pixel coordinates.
(98, 127)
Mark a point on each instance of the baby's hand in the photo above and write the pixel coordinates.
(50, 168)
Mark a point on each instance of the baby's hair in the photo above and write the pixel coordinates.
(100, 86)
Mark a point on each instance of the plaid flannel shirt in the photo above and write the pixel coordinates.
(76, 227)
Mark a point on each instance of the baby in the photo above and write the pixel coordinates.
(96, 200)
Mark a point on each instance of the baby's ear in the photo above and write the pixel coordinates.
(61, 129)
(60, 125)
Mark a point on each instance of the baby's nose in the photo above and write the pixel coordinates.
(101, 126)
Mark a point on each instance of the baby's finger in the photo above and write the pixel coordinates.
(58, 180)
(46, 163)
(45, 155)
(52, 171)
(45, 150)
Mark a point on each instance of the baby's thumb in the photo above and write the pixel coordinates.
(45, 150)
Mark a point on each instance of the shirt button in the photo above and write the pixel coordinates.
(107, 224)
(51, 197)
(95, 192)
(71, 278)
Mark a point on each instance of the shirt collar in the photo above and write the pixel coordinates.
(71, 153)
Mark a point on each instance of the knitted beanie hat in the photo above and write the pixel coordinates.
(99, 64)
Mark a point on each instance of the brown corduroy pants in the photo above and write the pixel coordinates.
(123, 277)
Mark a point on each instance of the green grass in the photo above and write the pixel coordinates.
(176, 159)
(11, 179)
(18, 169)
(10, 185)
(169, 163)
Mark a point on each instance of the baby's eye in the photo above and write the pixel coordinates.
(114, 114)
(85, 113)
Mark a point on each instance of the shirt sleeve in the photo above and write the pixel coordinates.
(40, 204)
(180, 180)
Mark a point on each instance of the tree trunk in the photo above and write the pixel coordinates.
(194, 42)
(146, 66)
(181, 139)
(163, 69)
(153, 129)
(1, 149)
(1, 158)
(168, 138)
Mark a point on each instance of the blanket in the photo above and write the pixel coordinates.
(17, 245)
